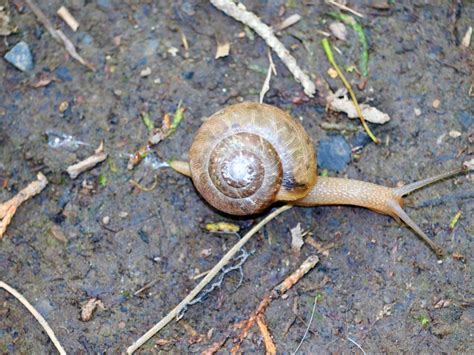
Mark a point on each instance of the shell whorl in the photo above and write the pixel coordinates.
(249, 155)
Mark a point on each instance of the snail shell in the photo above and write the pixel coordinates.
(249, 155)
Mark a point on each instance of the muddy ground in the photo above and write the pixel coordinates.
(379, 286)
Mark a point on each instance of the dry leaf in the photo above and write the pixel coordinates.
(297, 235)
(339, 30)
(223, 49)
(442, 304)
(289, 21)
(5, 28)
(87, 310)
(340, 102)
(466, 40)
(222, 227)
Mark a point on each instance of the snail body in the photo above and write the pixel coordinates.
(247, 156)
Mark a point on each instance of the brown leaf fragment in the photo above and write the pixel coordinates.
(223, 48)
(297, 235)
(88, 309)
(43, 81)
(164, 342)
(58, 234)
(442, 304)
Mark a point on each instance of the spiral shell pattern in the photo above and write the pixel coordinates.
(249, 155)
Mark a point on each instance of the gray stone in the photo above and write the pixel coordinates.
(334, 153)
(20, 56)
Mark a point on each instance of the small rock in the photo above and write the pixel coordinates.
(106, 220)
(123, 214)
(20, 56)
(332, 73)
(417, 111)
(145, 72)
(339, 30)
(334, 153)
(454, 134)
(63, 106)
(436, 103)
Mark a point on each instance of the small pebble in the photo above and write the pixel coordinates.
(106, 220)
(145, 72)
(332, 73)
(417, 111)
(63, 106)
(339, 30)
(454, 134)
(123, 214)
(436, 103)
(20, 56)
(173, 51)
(334, 153)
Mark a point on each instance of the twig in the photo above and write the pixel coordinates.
(64, 13)
(168, 127)
(307, 328)
(35, 313)
(8, 209)
(276, 292)
(345, 8)
(251, 20)
(58, 35)
(356, 344)
(364, 44)
(266, 84)
(144, 188)
(208, 278)
(267, 338)
(328, 51)
(99, 156)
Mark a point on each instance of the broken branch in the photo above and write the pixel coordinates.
(8, 209)
(76, 169)
(251, 20)
(208, 278)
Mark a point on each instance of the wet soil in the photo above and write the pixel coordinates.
(379, 286)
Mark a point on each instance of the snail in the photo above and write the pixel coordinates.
(247, 156)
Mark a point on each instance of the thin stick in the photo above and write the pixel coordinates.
(270, 348)
(251, 20)
(212, 273)
(276, 292)
(8, 209)
(328, 51)
(266, 84)
(58, 35)
(76, 169)
(345, 8)
(35, 313)
(356, 344)
(307, 328)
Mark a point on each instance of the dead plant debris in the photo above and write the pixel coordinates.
(8, 209)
